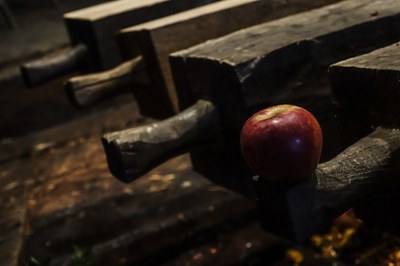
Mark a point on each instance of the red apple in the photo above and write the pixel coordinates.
(282, 142)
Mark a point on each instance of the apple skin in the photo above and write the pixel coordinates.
(282, 143)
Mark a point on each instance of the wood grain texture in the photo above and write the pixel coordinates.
(133, 152)
(217, 70)
(313, 39)
(282, 61)
(89, 89)
(156, 39)
(365, 90)
(159, 38)
(96, 26)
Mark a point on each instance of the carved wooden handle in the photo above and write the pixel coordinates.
(297, 211)
(44, 70)
(133, 152)
(89, 89)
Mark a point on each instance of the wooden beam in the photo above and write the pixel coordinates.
(95, 28)
(155, 40)
(365, 90)
(283, 61)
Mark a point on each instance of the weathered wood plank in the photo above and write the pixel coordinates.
(278, 62)
(92, 88)
(237, 83)
(155, 40)
(282, 61)
(133, 152)
(94, 28)
(45, 69)
(316, 38)
(365, 90)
